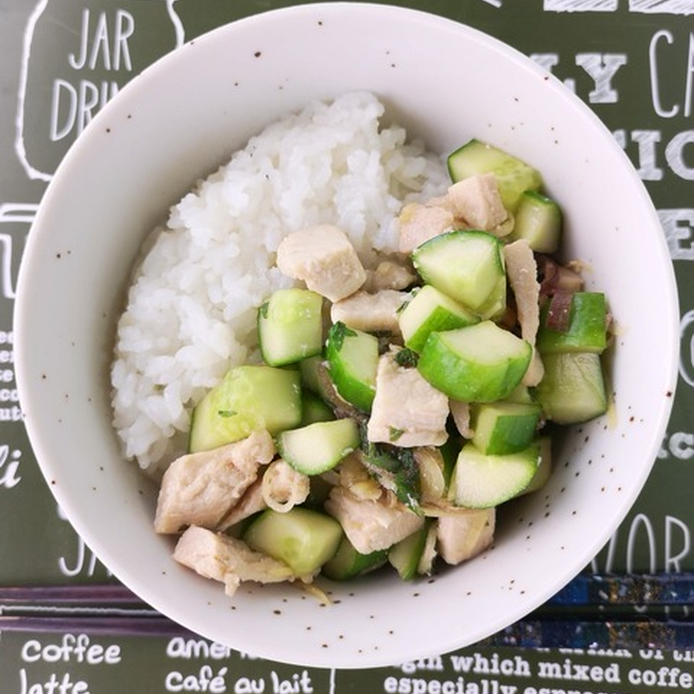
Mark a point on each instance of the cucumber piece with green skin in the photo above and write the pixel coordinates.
(520, 394)
(405, 555)
(483, 481)
(309, 374)
(538, 221)
(513, 176)
(352, 362)
(468, 266)
(544, 469)
(495, 305)
(587, 331)
(301, 538)
(431, 311)
(290, 326)
(348, 563)
(313, 410)
(573, 388)
(249, 398)
(480, 363)
(504, 427)
(318, 447)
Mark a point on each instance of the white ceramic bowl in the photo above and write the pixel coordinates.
(180, 119)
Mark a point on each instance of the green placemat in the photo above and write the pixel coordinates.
(631, 60)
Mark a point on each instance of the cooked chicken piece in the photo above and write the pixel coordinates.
(201, 488)
(323, 257)
(535, 372)
(463, 535)
(371, 525)
(407, 411)
(521, 270)
(445, 202)
(283, 487)
(370, 312)
(419, 223)
(389, 275)
(461, 417)
(251, 502)
(227, 559)
(476, 199)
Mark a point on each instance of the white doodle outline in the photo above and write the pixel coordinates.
(19, 146)
(493, 3)
(12, 212)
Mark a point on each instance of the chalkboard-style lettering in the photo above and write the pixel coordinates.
(674, 154)
(9, 464)
(296, 684)
(206, 680)
(107, 52)
(53, 685)
(687, 334)
(673, 562)
(602, 67)
(580, 5)
(647, 140)
(248, 685)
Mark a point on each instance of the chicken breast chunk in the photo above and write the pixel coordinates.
(419, 223)
(463, 535)
(389, 275)
(370, 312)
(407, 411)
(251, 502)
(201, 488)
(227, 559)
(521, 270)
(371, 525)
(461, 417)
(476, 199)
(323, 257)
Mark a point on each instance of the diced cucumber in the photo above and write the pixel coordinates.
(544, 469)
(504, 427)
(513, 176)
(483, 481)
(309, 373)
(301, 538)
(348, 563)
(290, 326)
(249, 398)
(466, 265)
(353, 359)
(538, 221)
(573, 389)
(587, 330)
(426, 561)
(315, 448)
(495, 305)
(406, 554)
(431, 311)
(313, 410)
(480, 363)
(520, 394)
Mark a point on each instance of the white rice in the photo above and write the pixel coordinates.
(192, 306)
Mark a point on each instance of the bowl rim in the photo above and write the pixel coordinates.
(50, 466)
